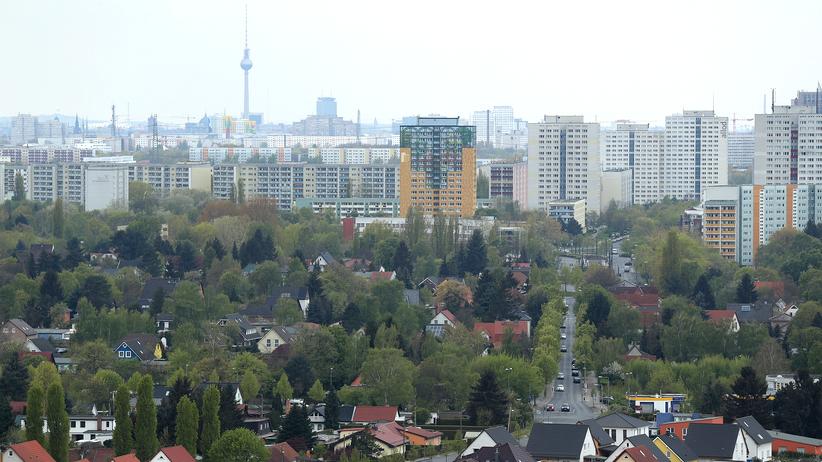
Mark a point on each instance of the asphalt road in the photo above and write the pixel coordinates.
(618, 266)
(573, 394)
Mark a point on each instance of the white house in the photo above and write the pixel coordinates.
(620, 426)
(444, 318)
(757, 439)
(276, 337)
(173, 454)
(317, 418)
(85, 428)
(489, 438)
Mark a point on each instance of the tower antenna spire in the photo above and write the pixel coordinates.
(246, 25)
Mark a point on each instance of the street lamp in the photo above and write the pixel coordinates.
(510, 408)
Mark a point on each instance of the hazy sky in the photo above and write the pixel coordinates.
(605, 59)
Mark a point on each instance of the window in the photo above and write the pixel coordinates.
(121, 354)
(128, 354)
(684, 431)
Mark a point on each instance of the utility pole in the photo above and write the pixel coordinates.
(510, 404)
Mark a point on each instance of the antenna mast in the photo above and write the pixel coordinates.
(113, 122)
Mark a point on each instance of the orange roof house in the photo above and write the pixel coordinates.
(494, 332)
(30, 451)
(374, 414)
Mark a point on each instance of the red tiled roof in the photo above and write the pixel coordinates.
(389, 433)
(17, 407)
(47, 355)
(519, 277)
(374, 414)
(283, 452)
(427, 434)
(177, 454)
(449, 316)
(94, 455)
(496, 330)
(641, 454)
(357, 381)
(716, 315)
(31, 451)
(126, 458)
(382, 275)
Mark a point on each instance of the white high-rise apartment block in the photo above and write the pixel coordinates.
(23, 129)
(788, 146)
(503, 120)
(484, 121)
(106, 187)
(695, 155)
(495, 126)
(563, 162)
(741, 146)
(636, 147)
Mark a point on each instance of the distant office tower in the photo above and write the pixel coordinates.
(106, 187)
(811, 99)
(695, 154)
(326, 107)
(787, 146)
(737, 220)
(503, 120)
(636, 147)
(741, 147)
(23, 129)
(494, 126)
(484, 122)
(438, 167)
(563, 162)
(507, 180)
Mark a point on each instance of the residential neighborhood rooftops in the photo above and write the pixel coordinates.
(795, 438)
(556, 441)
(126, 458)
(20, 325)
(177, 454)
(716, 315)
(678, 447)
(754, 429)
(141, 344)
(619, 420)
(644, 440)
(507, 452)
(601, 436)
(31, 451)
(713, 440)
(641, 454)
(374, 414)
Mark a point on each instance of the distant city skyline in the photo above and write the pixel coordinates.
(604, 60)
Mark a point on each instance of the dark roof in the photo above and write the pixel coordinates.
(713, 440)
(42, 344)
(619, 420)
(152, 285)
(602, 437)
(761, 311)
(160, 391)
(412, 296)
(266, 309)
(508, 452)
(644, 440)
(346, 413)
(164, 317)
(287, 333)
(22, 326)
(754, 429)
(678, 447)
(556, 441)
(141, 344)
(328, 257)
(500, 435)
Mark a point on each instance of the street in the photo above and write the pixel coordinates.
(574, 392)
(618, 265)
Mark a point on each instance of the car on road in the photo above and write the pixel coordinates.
(573, 361)
(560, 387)
(563, 336)
(574, 372)
(563, 348)
(550, 408)
(560, 376)
(577, 380)
(566, 408)
(614, 251)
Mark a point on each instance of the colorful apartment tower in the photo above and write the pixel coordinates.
(438, 167)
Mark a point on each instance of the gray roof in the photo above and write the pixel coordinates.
(619, 420)
(602, 437)
(43, 344)
(141, 344)
(437, 330)
(754, 429)
(500, 435)
(795, 438)
(412, 296)
(508, 452)
(713, 440)
(287, 333)
(153, 285)
(22, 326)
(346, 413)
(556, 441)
(678, 447)
(644, 440)
(761, 311)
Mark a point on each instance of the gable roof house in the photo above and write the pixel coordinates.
(601, 437)
(561, 442)
(142, 347)
(637, 454)
(760, 312)
(29, 451)
(494, 332)
(620, 426)
(16, 330)
(374, 414)
(508, 452)
(163, 322)
(316, 415)
(283, 452)
(150, 289)
(249, 334)
(724, 442)
(758, 440)
(173, 454)
(634, 442)
(634, 353)
(324, 259)
(724, 317)
(786, 442)
(675, 449)
(489, 438)
(264, 312)
(276, 337)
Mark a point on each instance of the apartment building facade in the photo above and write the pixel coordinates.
(167, 178)
(507, 180)
(788, 146)
(639, 148)
(695, 154)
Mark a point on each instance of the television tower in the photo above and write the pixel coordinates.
(246, 65)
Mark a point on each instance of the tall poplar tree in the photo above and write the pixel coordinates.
(210, 418)
(145, 434)
(58, 421)
(34, 414)
(187, 419)
(123, 427)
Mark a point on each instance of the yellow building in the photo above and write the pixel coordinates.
(438, 167)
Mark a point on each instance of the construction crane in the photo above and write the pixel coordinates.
(734, 119)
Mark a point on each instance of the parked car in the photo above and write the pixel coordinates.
(563, 348)
(574, 372)
(560, 387)
(577, 380)
(563, 336)
(566, 407)
(550, 408)
(560, 376)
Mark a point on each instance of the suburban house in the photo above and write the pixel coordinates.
(561, 442)
(634, 353)
(432, 282)
(489, 438)
(84, 427)
(173, 454)
(126, 458)
(264, 312)
(494, 332)
(785, 442)
(39, 345)
(316, 415)
(675, 449)
(760, 312)
(601, 437)
(656, 403)
(385, 435)
(757, 439)
(508, 452)
(151, 289)
(249, 333)
(30, 451)
(163, 322)
(777, 382)
(679, 429)
(634, 442)
(725, 318)
(779, 323)
(54, 335)
(283, 452)
(724, 442)
(636, 454)
(142, 347)
(364, 415)
(440, 321)
(16, 331)
(620, 426)
(276, 337)
(324, 259)
(416, 436)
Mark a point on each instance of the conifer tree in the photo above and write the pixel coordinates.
(210, 418)
(34, 414)
(187, 419)
(145, 433)
(123, 427)
(58, 422)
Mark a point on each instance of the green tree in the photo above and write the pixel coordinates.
(58, 222)
(210, 419)
(19, 188)
(746, 291)
(145, 434)
(296, 429)
(703, 295)
(6, 418)
(287, 312)
(249, 385)
(748, 398)
(389, 376)
(240, 445)
(188, 302)
(316, 393)
(74, 254)
(283, 388)
(15, 378)
(123, 437)
(487, 405)
(673, 280)
(332, 410)
(402, 264)
(187, 423)
(58, 422)
(141, 197)
(810, 284)
(34, 414)
(476, 256)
